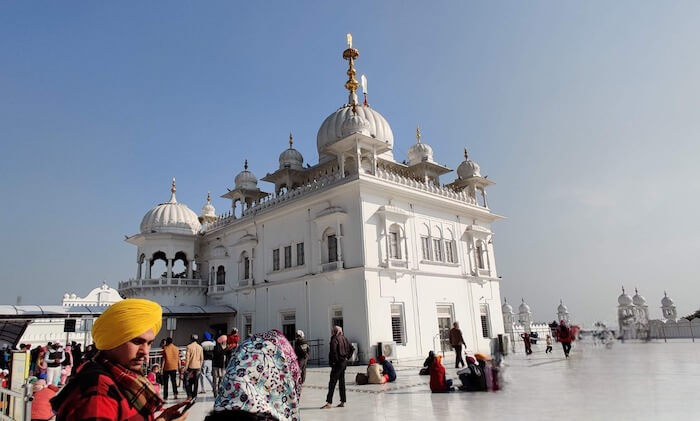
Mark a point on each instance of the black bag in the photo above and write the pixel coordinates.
(361, 378)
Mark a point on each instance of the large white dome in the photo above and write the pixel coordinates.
(666, 301)
(624, 299)
(332, 128)
(171, 217)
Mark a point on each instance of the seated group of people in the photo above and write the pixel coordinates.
(479, 374)
(378, 372)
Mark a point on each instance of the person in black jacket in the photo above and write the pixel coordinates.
(338, 355)
(387, 368)
(218, 362)
(302, 350)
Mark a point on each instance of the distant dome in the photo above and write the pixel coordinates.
(666, 301)
(624, 299)
(562, 308)
(172, 217)
(468, 168)
(208, 210)
(245, 179)
(506, 308)
(291, 158)
(419, 152)
(66, 296)
(638, 300)
(331, 129)
(524, 308)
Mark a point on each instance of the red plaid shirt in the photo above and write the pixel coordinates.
(94, 396)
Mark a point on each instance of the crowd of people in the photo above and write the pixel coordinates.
(259, 377)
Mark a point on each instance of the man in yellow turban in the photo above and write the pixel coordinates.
(112, 386)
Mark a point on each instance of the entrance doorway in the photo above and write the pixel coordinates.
(445, 316)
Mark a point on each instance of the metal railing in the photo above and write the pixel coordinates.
(16, 405)
(187, 282)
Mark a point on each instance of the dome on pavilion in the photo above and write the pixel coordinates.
(171, 217)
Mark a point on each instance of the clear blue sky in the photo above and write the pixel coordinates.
(584, 113)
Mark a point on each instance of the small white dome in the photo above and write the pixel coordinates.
(291, 158)
(419, 152)
(624, 299)
(245, 179)
(171, 217)
(73, 296)
(562, 308)
(666, 301)
(208, 209)
(506, 308)
(468, 168)
(66, 296)
(638, 300)
(524, 308)
(331, 129)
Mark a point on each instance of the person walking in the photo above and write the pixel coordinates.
(302, 350)
(457, 341)
(526, 341)
(111, 387)
(548, 341)
(208, 348)
(170, 366)
(218, 362)
(340, 351)
(55, 358)
(194, 356)
(564, 336)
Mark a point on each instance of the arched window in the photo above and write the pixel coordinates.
(425, 241)
(212, 275)
(220, 275)
(179, 268)
(438, 254)
(394, 241)
(332, 248)
(159, 265)
(450, 247)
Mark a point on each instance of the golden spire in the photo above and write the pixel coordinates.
(208, 197)
(245, 165)
(291, 140)
(466, 155)
(351, 54)
(418, 135)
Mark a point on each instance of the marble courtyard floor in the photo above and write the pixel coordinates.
(631, 381)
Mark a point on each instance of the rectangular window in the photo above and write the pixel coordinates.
(287, 257)
(397, 324)
(485, 324)
(300, 254)
(479, 257)
(332, 248)
(425, 244)
(394, 249)
(246, 268)
(437, 249)
(276, 259)
(248, 325)
(449, 252)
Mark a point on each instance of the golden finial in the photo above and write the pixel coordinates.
(466, 154)
(245, 165)
(208, 197)
(418, 135)
(351, 54)
(291, 140)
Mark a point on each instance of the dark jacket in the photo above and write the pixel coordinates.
(340, 349)
(302, 350)
(388, 369)
(218, 359)
(473, 378)
(456, 337)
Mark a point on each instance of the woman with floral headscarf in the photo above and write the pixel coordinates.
(262, 381)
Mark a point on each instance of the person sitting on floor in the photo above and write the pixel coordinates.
(473, 379)
(388, 369)
(425, 371)
(374, 373)
(439, 383)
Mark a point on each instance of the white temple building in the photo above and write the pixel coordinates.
(634, 322)
(360, 239)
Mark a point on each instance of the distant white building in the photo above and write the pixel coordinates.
(41, 331)
(359, 239)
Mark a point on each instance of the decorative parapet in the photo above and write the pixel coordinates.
(330, 175)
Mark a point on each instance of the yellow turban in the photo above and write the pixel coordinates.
(125, 320)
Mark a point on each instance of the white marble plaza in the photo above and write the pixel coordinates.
(631, 381)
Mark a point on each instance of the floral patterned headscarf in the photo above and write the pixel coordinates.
(262, 377)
